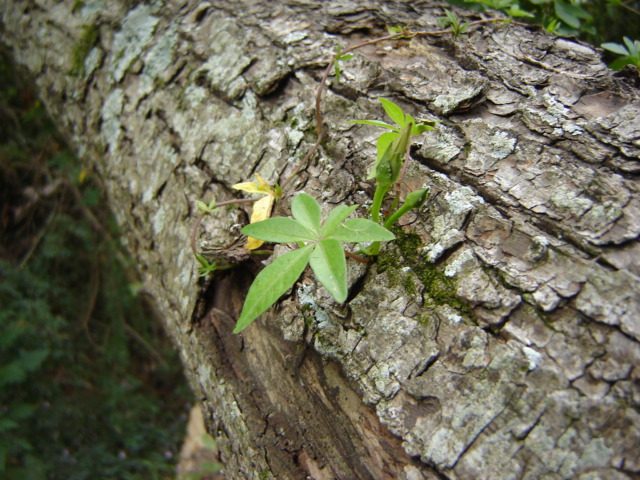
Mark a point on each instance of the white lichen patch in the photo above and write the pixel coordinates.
(571, 200)
(92, 61)
(159, 220)
(306, 297)
(111, 110)
(92, 8)
(440, 146)
(224, 67)
(558, 116)
(194, 94)
(135, 33)
(554, 107)
(458, 262)
(433, 251)
(447, 103)
(533, 357)
(294, 37)
(160, 57)
(502, 145)
(463, 200)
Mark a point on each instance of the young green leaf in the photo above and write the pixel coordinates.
(335, 218)
(279, 230)
(384, 140)
(205, 267)
(376, 123)
(387, 170)
(632, 46)
(204, 208)
(415, 199)
(394, 111)
(340, 58)
(359, 230)
(306, 210)
(330, 267)
(271, 283)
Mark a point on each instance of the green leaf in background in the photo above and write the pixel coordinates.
(570, 14)
(633, 47)
(631, 54)
(615, 48)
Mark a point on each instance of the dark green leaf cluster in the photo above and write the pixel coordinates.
(595, 21)
(630, 52)
(83, 393)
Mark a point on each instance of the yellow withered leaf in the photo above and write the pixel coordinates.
(262, 208)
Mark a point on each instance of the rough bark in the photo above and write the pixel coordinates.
(498, 338)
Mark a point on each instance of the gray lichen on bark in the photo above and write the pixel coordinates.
(497, 338)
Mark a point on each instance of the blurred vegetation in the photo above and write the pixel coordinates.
(89, 386)
(600, 22)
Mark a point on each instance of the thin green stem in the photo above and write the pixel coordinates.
(378, 197)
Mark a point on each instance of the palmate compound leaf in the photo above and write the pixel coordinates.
(322, 250)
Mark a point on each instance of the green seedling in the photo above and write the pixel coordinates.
(320, 246)
(630, 53)
(399, 32)
(389, 167)
(451, 20)
(392, 148)
(401, 120)
(206, 268)
(204, 208)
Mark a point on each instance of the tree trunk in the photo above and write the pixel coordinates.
(497, 338)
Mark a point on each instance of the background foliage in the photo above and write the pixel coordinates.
(89, 386)
(595, 21)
